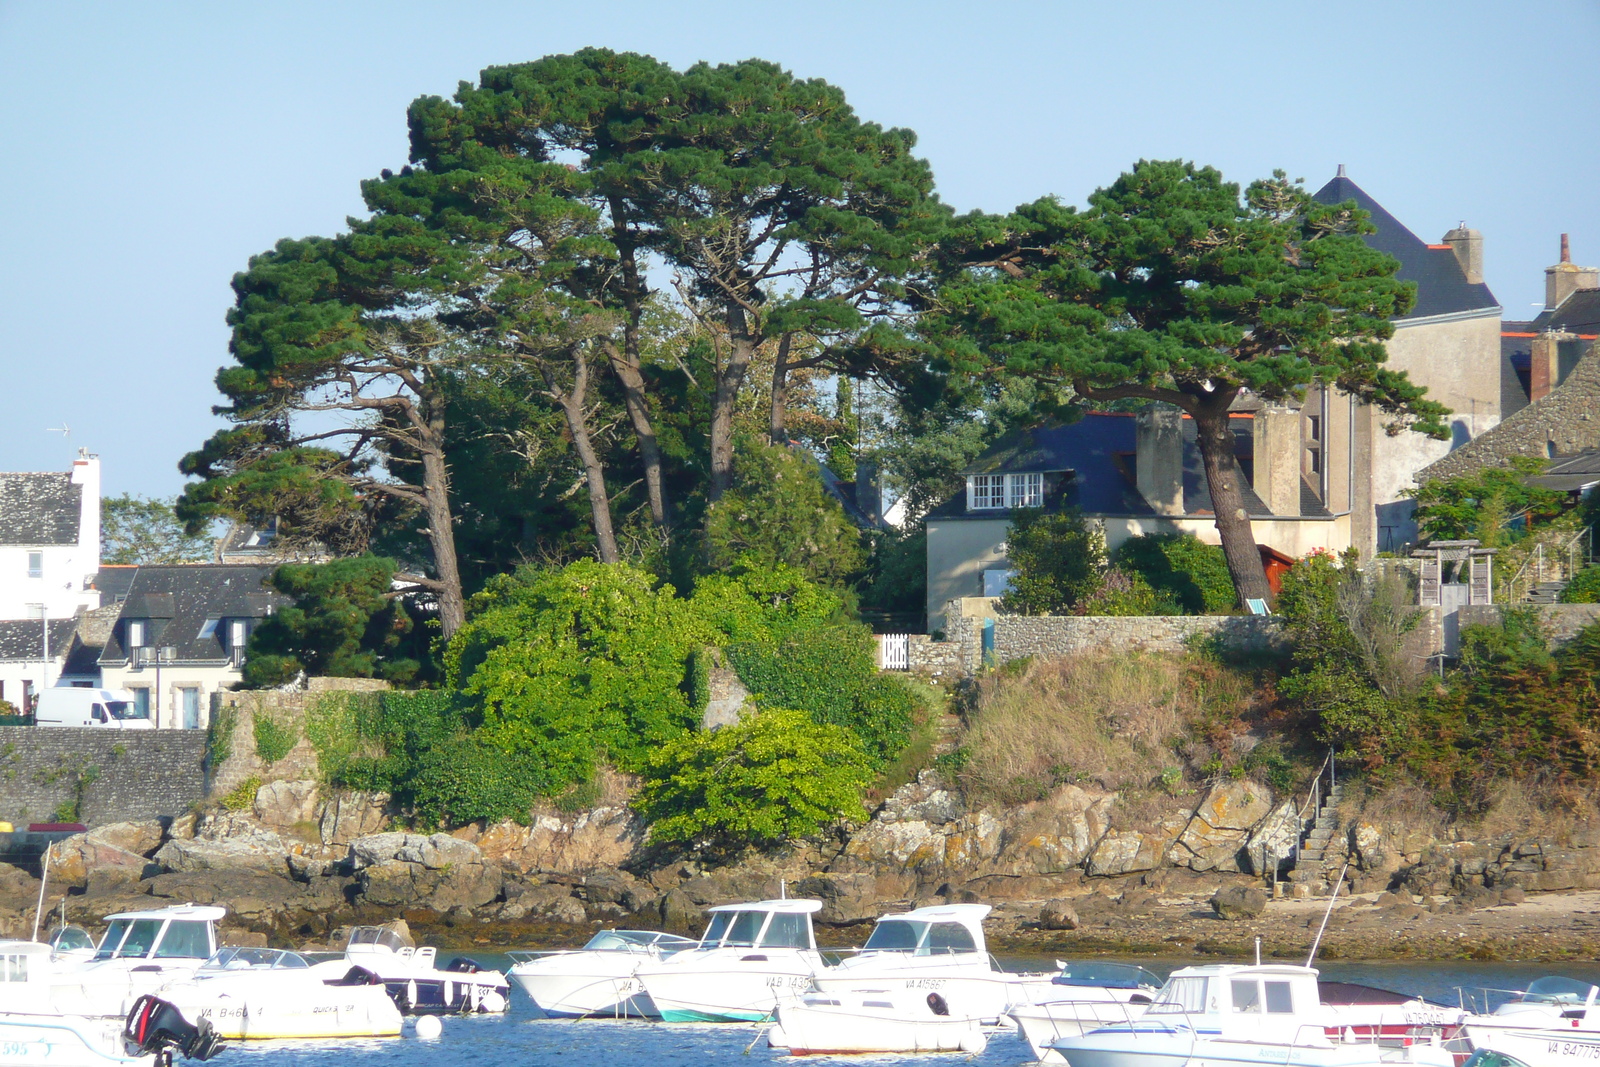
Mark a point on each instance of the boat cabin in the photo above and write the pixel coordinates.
(941, 930)
(1229, 990)
(763, 924)
(184, 932)
(25, 976)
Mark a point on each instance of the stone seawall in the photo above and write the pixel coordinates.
(108, 775)
(1016, 636)
(1561, 621)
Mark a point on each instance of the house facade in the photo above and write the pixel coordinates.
(1321, 473)
(50, 541)
(180, 636)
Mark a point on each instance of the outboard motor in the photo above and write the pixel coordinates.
(155, 1027)
(355, 976)
(462, 965)
(937, 1004)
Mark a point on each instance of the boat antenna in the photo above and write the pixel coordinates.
(783, 889)
(44, 877)
(1317, 942)
(1258, 950)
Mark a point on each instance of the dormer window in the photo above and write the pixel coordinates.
(988, 492)
(138, 633)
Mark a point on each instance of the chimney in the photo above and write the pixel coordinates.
(869, 495)
(1277, 445)
(1468, 247)
(1158, 463)
(1565, 278)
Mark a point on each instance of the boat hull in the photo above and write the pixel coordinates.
(807, 1028)
(1156, 1046)
(1536, 1047)
(45, 1041)
(360, 1011)
(590, 994)
(726, 989)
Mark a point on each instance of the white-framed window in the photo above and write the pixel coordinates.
(997, 581)
(986, 491)
(209, 628)
(1026, 490)
(35, 564)
(138, 633)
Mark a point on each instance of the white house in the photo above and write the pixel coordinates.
(180, 636)
(50, 541)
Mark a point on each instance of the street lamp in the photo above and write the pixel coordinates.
(164, 654)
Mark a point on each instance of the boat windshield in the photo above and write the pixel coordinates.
(787, 930)
(239, 959)
(128, 939)
(733, 928)
(1558, 991)
(1107, 976)
(896, 935)
(946, 939)
(70, 939)
(185, 940)
(1179, 996)
(628, 940)
(376, 936)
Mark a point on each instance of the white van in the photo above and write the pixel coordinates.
(71, 706)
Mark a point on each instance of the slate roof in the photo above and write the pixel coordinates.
(39, 509)
(94, 629)
(1579, 313)
(179, 598)
(1099, 452)
(112, 582)
(1442, 286)
(1570, 474)
(20, 638)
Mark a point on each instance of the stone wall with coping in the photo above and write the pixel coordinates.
(1561, 621)
(113, 775)
(1017, 636)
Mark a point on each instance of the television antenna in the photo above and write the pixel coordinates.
(64, 430)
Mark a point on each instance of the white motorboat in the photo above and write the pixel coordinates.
(874, 1020)
(140, 952)
(417, 986)
(939, 949)
(259, 993)
(598, 979)
(1226, 1015)
(36, 1032)
(751, 955)
(1083, 996)
(1553, 1021)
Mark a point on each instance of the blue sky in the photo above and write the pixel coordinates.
(147, 150)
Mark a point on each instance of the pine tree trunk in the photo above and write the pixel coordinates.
(625, 365)
(572, 406)
(441, 531)
(778, 416)
(730, 378)
(1224, 480)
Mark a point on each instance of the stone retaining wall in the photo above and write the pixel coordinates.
(1561, 621)
(1016, 636)
(112, 775)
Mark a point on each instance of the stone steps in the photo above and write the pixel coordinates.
(1546, 593)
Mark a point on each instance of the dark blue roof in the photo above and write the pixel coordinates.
(1442, 286)
(1098, 450)
(1579, 313)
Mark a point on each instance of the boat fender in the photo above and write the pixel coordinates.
(410, 995)
(937, 1005)
(1138, 998)
(492, 1002)
(462, 965)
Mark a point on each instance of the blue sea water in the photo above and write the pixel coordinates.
(520, 1039)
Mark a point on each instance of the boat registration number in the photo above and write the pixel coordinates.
(925, 983)
(788, 981)
(1581, 1050)
(20, 1050)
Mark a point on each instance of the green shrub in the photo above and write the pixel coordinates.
(1584, 587)
(336, 725)
(773, 777)
(242, 796)
(274, 739)
(1117, 592)
(467, 778)
(1191, 574)
(219, 735)
(1056, 560)
(563, 665)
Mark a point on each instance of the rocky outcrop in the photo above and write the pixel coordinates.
(435, 871)
(283, 805)
(227, 841)
(347, 816)
(123, 847)
(1217, 833)
(1239, 902)
(607, 837)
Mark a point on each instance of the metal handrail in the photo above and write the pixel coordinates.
(1580, 546)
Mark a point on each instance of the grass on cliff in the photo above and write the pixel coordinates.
(1115, 721)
